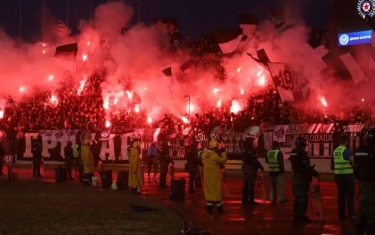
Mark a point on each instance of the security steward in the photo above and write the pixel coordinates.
(302, 176)
(343, 160)
(364, 159)
(77, 161)
(250, 168)
(275, 162)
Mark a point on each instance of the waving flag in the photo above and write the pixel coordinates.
(228, 41)
(167, 71)
(248, 24)
(66, 56)
(168, 26)
(289, 81)
(62, 29)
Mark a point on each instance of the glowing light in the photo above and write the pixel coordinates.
(324, 102)
(236, 107)
(44, 45)
(107, 123)
(219, 104)
(22, 89)
(239, 69)
(149, 120)
(50, 77)
(82, 85)
(363, 99)
(216, 90)
(84, 57)
(191, 108)
(242, 91)
(106, 103)
(44, 51)
(145, 88)
(53, 99)
(88, 43)
(130, 94)
(115, 100)
(136, 108)
(259, 73)
(262, 80)
(184, 119)
(1, 114)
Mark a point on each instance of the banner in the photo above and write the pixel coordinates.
(289, 81)
(279, 133)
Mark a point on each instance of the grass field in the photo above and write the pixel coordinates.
(34, 207)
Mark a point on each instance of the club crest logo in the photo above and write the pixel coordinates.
(344, 39)
(366, 8)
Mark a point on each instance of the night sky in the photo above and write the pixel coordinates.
(196, 17)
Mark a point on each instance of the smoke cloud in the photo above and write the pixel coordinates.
(134, 56)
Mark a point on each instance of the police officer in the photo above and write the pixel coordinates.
(250, 168)
(164, 161)
(192, 164)
(343, 160)
(69, 159)
(364, 159)
(37, 158)
(302, 176)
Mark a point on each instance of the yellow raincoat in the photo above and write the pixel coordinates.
(135, 179)
(87, 159)
(212, 174)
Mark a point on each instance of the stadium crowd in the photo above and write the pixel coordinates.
(71, 108)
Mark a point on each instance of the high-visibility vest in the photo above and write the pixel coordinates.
(273, 163)
(75, 150)
(342, 166)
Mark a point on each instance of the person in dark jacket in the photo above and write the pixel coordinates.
(95, 152)
(2, 155)
(192, 164)
(364, 160)
(152, 161)
(37, 158)
(69, 159)
(164, 161)
(302, 176)
(275, 161)
(250, 168)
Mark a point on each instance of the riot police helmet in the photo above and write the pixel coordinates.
(300, 142)
(370, 137)
(248, 143)
(69, 143)
(193, 144)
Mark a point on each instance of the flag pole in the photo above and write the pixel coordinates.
(43, 21)
(273, 20)
(139, 10)
(20, 27)
(90, 12)
(67, 13)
